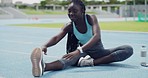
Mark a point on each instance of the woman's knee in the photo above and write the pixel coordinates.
(123, 54)
(128, 50)
(66, 63)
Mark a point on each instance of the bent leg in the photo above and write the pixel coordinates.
(122, 53)
(116, 54)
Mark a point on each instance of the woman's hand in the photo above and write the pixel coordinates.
(44, 49)
(71, 55)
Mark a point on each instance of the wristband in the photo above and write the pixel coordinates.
(80, 49)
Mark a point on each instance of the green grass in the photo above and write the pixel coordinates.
(125, 26)
(116, 26)
(45, 12)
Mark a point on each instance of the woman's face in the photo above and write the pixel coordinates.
(74, 12)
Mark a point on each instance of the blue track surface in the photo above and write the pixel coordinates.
(17, 43)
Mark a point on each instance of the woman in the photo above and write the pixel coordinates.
(86, 31)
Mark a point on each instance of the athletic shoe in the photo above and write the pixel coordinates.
(37, 62)
(85, 61)
(144, 64)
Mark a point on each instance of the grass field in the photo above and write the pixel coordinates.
(46, 12)
(115, 26)
(43, 12)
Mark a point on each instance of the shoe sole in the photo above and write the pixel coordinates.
(36, 58)
(79, 62)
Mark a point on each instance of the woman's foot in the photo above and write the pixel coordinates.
(85, 61)
(37, 62)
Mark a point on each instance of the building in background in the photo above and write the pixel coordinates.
(5, 3)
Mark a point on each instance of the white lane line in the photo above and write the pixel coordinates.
(24, 53)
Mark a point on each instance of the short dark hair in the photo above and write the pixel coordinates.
(79, 2)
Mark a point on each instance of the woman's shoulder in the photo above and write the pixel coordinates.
(68, 24)
(68, 27)
(91, 18)
(90, 15)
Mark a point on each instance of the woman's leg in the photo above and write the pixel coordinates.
(53, 66)
(38, 67)
(104, 60)
(116, 54)
(63, 63)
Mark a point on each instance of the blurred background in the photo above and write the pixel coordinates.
(137, 9)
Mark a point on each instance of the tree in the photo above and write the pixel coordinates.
(92, 2)
(140, 1)
(43, 3)
(50, 1)
(113, 2)
(64, 3)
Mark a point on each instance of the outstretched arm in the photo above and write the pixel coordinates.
(55, 39)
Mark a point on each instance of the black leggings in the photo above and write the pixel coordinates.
(119, 54)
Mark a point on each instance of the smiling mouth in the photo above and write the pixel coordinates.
(73, 17)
